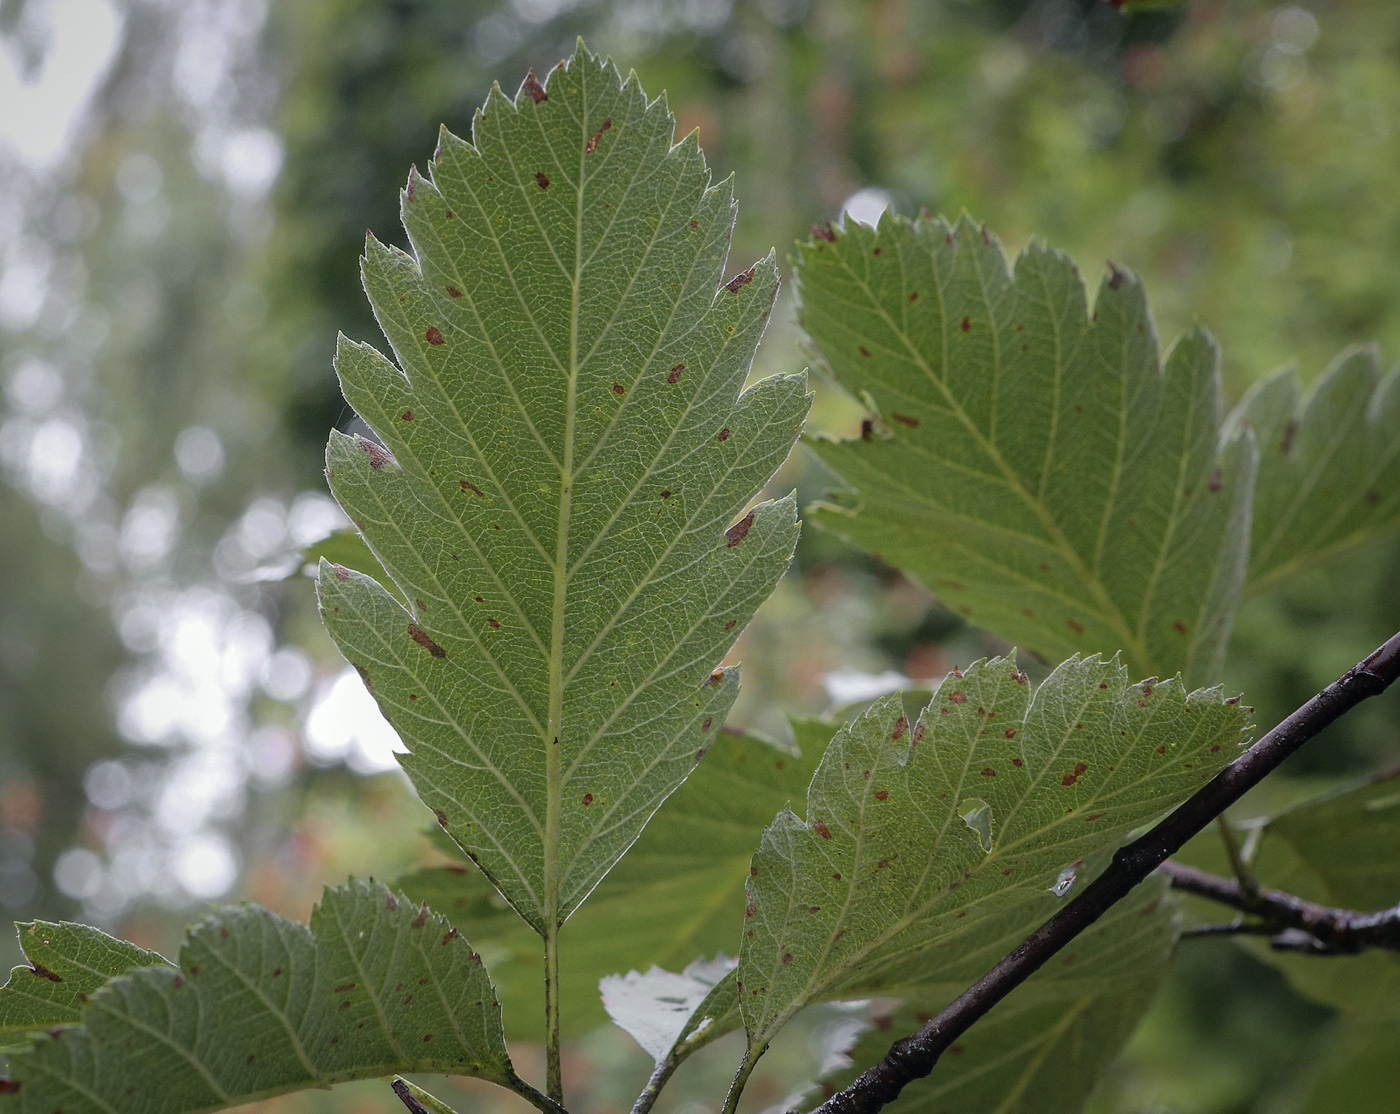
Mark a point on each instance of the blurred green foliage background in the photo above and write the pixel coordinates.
(183, 190)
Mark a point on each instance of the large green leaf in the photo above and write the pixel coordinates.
(676, 897)
(1043, 1049)
(1329, 464)
(1040, 470)
(260, 1006)
(560, 496)
(66, 964)
(937, 839)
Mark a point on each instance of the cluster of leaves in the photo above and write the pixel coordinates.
(560, 506)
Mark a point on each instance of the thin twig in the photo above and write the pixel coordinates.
(1336, 931)
(1248, 883)
(915, 1056)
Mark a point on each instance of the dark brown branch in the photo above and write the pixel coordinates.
(1334, 931)
(915, 1056)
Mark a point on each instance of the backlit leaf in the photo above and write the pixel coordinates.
(560, 496)
(260, 1006)
(1329, 464)
(1041, 470)
(884, 874)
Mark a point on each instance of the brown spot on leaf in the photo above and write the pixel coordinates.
(724, 434)
(408, 415)
(1010, 732)
(532, 85)
(730, 625)
(422, 918)
(341, 572)
(451, 934)
(1078, 628)
(864, 351)
(905, 419)
(787, 957)
(453, 292)
(377, 453)
(541, 179)
(706, 725)
(1018, 763)
(433, 336)
(619, 389)
(596, 137)
(882, 794)
(40, 971)
(966, 325)
(391, 902)
(957, 698)
(587, 799)
(901, 725)
(819, 826)
(823, 232)
(743, 278)
(420, 636)
(739, 531)
(674, 376)
(918, 734)
(987, 771)
(493, 624)
(467, 485)
(1071, 778)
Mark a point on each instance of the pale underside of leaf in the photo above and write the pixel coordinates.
(1042, 470)
(1044, 1049)
(1329, 464)
(66, 964)
(677, 896)
(566, 450)
(884, 876)
(261, 1006)
(655, 1007)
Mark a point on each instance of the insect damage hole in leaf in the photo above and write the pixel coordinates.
(557, 389)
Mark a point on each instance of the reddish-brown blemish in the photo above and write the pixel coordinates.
(901, 725)
(674, 376)
(453, 292)
(619, 389)
(422, 918)
(724, 434)
(739, 531)
(493, 624)
(593, 140)
(1161, 750)
(341, 572)
(966, 325)
(918, 734)
(864, 351)
(541, 179)
(467, 485)
(587, 799)
(914, 296)
(532, 85)
(823, 232)
(420, 636)
(1076, 627)
(730, 625)
(819, 826)
(743, 278)
(378, 454)
(787, 957)
(988, 772)
(1071, 778)
(408, 415)
(433, 336)
(882, 794)
(905, 419)
(706, 725)
(957, 698)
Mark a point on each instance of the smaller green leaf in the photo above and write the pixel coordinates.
(656, 1008)
(1042, 468)
(260, 1006)
(885, 876)
(1329, 464)
(67, 963)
